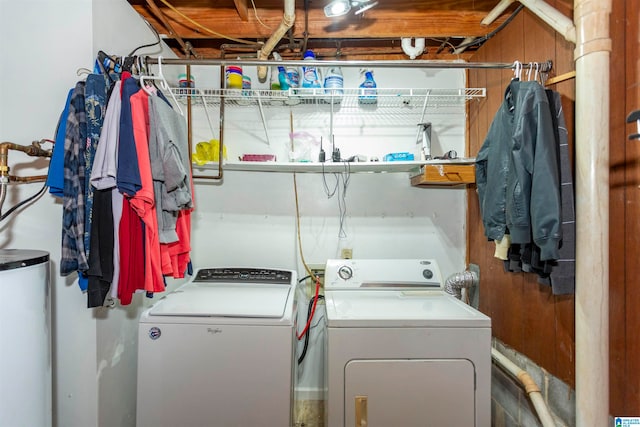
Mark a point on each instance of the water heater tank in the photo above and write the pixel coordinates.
(25, 338)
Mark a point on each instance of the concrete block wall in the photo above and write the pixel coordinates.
(510, 405)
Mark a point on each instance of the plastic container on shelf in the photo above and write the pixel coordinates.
(186, 82)
(334, 84)
(233, 76)
(368, 93)
(310, 75)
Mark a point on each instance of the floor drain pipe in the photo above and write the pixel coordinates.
(529, 385)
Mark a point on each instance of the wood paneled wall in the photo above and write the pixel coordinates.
(526, 315)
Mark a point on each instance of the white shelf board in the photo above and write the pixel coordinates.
(330, 167)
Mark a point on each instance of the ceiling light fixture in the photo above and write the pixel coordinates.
(342, 7)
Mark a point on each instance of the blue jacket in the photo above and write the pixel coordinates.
(517, 172)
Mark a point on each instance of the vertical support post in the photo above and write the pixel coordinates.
(592, 53)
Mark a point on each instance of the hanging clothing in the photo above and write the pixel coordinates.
(55, 176)
(111, 235)
(73, 250)
(131, 273)
(564, 273)
(516, 172)
(105, 162)
(100, 273)
(128, 174)
(144, 202)
(95, 96)
(169, 154)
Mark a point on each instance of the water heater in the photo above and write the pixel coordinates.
(25, 338)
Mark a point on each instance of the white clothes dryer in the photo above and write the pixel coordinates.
(400, 351)
(220, 351)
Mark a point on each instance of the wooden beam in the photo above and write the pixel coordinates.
(382, 23)
(241, 7)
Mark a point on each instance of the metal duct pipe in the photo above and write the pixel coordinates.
(592, 211)
(458, 281)
(288, 19)
(530, 386)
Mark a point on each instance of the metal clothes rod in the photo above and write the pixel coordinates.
(543, 67)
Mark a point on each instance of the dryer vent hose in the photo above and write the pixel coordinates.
(465, 279)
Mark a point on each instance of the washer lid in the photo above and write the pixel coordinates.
(407, 309)
(220, 300)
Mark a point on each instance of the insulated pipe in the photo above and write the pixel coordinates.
(592, 211)
(413, 51)
(288, 19)
(542, 10)
(530, 387)
(496, 12)
(551, 16)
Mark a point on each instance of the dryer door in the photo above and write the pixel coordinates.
(409, 393)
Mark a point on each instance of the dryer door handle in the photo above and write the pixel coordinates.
(361, 411)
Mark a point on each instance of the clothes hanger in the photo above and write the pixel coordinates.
(164, 86)
(529, 71)
(517, 70)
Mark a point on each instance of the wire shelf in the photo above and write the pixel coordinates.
(386, 97)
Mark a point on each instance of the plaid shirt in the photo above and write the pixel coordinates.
(73, 211)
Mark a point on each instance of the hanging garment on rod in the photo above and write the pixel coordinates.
(169, 154)
(95, 93)
(111, 199)
(516, 172)
(548, 148)
(144, 201)
(73, 252)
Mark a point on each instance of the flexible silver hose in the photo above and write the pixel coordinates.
(457, 281)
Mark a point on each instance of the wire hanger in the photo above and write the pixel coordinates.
(163, 84)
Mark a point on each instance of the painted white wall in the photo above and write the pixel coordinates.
(248, 220)
(44, 42)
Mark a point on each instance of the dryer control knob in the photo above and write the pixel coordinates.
(345, 272)
(428, 274)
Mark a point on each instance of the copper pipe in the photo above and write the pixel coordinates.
(27, 179)
(31, 150)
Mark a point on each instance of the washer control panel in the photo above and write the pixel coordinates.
(382, 274)
(244, 275)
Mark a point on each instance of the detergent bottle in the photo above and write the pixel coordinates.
(334, 84)
(310, 75)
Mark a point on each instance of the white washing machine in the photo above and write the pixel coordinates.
(400, 351)
(219, 351)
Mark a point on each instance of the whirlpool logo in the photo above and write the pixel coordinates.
(154, 333)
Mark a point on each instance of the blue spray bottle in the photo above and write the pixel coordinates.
(368, 93)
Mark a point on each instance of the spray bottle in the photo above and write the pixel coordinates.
(368, 88)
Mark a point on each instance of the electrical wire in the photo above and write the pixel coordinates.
(341, 190)
(494, 32)
(22, 203)
(310, 308)
(157, 42)
(313, 310)
(210, 31)
(255, 13)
